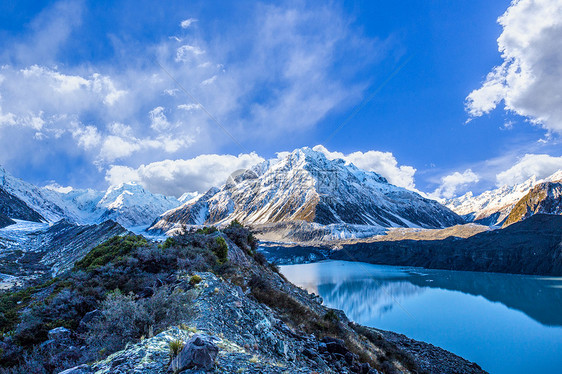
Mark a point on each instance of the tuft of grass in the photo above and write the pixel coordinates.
(175, 347)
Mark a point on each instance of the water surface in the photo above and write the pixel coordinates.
(505, 323)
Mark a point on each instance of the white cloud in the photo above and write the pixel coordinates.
(189, 107)
(383, 163)
(529, 79)
(452, 183)
(88, 137)
(175, 177)
(187, 53)
(286, 80)
(187, 23)
(538, 165)
(158, 120)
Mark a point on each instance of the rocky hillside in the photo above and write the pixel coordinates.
(532, 246)
(544, 198)
(12, 207)
(50, 251)
(5, 221)
(203, 301)
(492, 207)
(306, 186)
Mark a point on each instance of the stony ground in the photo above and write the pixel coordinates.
(252, 339)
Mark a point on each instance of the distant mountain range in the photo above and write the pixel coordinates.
(305, 186)
(493, 207)
(128, 204)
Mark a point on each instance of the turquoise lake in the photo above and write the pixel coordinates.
(505, 323)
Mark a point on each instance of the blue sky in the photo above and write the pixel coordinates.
(425, 96)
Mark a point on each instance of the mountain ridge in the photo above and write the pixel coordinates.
(307, 186)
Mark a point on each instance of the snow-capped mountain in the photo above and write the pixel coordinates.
(492, 207)
(129, 203)
(543, 198)
(306, 186)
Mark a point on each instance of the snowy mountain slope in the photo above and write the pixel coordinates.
(306, 186)
(545, 198)
(131, 205)
(128, 204)
(492, 207)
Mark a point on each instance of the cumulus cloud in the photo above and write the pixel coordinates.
(529, 79)
(176, 177)
(538, 165)
(452, 183)
(383, 163)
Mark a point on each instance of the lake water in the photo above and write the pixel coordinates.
(505, 323)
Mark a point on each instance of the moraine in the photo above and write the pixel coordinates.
(505, 323)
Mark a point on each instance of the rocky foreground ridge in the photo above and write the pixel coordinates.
(203, 301)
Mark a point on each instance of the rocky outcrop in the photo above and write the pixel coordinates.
(544, 198)
(5, 221)
(254, 338)
(13, 207)
(532, 246)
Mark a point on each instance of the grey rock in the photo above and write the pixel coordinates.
(82, 369)
(199, 352)
(59, 334)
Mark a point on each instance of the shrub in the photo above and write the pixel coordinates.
(170, 242)
(112, 250)
(196, 279)
(207, 230)
(220, 249)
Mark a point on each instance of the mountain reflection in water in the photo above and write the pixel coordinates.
(369, 291)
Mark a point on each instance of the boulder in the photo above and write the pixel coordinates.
(89, 318)
(82, 369)
(199, 352)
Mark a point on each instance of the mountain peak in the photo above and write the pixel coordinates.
(305, 185)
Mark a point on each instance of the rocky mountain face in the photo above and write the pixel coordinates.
(494, 206)
(5, 221)
(49, 251)
(306, 186)
(544, 198)
(128, 203)
(12, 207)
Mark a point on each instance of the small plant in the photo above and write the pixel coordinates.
(170, 242)
(331, 316)
(175, 347)
(206, 230)
(221, 249)
(196, 279)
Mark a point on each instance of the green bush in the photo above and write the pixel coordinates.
(221, 249)
(110, 251)
(206, 230)
(196, 279)
(170, 242)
